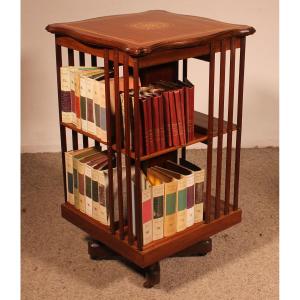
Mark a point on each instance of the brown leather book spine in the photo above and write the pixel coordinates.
(145, 117)
(191, 120)
(156, 125)
(162, 122)
(167, 119)
(183, 117)
(174, 125)
(179, 117)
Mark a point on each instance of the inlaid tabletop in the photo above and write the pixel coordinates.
(145, 32)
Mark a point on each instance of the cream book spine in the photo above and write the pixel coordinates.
(97, 102)
(181, 204)
(81, 179)
(147, 215)
(103, 197)
(95, 195)
(199, 186)
(88, 190)
(102, 110)
(158, 211)
(170, 216)
(83, 109)
(73, 99)
(190, 211)
(66, 113)
(91, 126)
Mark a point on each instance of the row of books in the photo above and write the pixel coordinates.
(166, 108)
(172, 194)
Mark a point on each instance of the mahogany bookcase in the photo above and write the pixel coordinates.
(149, 46)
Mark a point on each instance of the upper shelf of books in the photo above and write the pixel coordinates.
(143, 33)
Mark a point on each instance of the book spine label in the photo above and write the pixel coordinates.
(156, 123)
(167, 119)
(190, 217)
(162, 123)
(88, 191)
(170, 217)
(179, 116)
(181, 204)
(158, 211)
(199, 189)
(174, 124)
(147, 215)
(83, 114)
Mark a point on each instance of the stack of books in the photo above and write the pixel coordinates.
(83, 102)
(166, 114)
(172, 194)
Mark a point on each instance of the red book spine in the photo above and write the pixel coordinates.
(185, 129)
(77, 100)
(174, 125)
(146, 126)
(156, 120)
(179, 117)
(162, 123)
(149, 101)
(191, 114)
(167, 118)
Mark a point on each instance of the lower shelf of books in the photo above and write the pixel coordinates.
(156, 250)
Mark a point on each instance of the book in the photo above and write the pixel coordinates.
(178, 107)
(72, 95)
(69, 172)
(167, 117)
(199, 175)
(170, 197)
(65, 95)
(89, 166)
(181, 203)
(162, 122)
(190, 189)
(156, 122)
(158, 206)
(95, 195)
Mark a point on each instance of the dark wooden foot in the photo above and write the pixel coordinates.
(199, 249)
(152, 274)
(97, 250)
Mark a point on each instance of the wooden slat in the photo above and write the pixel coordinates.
(118, 143)
(85, 139)
(229, 127)
(74, 133)
(184, 76)
(63, 139)
(220, 129)
(137, 128)
(109, 143)
(210, 133)
(239, 124)
(127, 150)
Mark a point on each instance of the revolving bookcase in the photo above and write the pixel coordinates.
(149, 46)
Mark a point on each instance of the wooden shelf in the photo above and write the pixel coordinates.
(74, 128)
(156, 250)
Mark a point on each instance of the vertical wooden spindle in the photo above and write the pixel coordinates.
(94, 64)
(137, 127)
(63, 139)
(85, 139)
(220, 128)
(109, 143)
(239, 124)
(229, 126)
(184, 77)
(74, 133)
(127, 105)
(118, 142)
(210, 132)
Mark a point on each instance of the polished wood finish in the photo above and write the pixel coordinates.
(220, 129)
(149, 31)
(157, 250)
(229, 127)
(210, 133)
(109, 143)
(151, 50)
(239, 124)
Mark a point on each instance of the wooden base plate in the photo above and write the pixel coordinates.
(99, 251)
